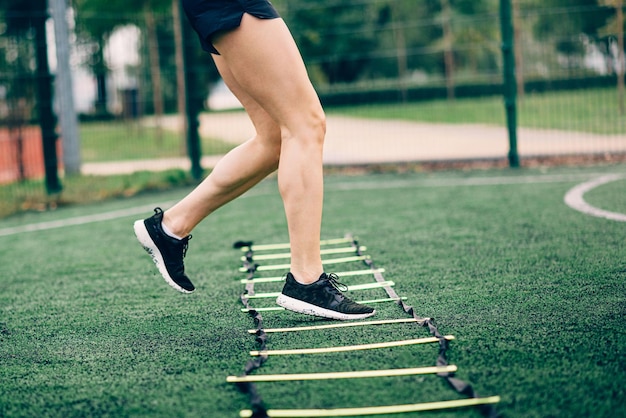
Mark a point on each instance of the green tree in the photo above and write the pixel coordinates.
(563, 21)
(615, 28)
(409, 29)
(99, 18)
(356, 40)
(15, 60)
(333, 35)
(95, 21)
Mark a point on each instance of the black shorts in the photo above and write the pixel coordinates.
(210, 16)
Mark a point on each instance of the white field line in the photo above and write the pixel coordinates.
(484, 181)
(82, 220)
(575, 198)
(476, 181)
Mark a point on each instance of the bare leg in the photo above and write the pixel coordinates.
(264, 60)
(237, 172)
(262, 66)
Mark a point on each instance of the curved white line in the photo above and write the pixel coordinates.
(574, 198)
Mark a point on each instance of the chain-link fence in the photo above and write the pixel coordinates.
(401, 80)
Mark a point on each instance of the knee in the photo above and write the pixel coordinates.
(321, 124)
(318, 124)
(309, 129)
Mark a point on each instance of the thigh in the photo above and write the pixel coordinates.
(265, 126)
(264, 60)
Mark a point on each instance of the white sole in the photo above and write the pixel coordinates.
(299, 306)
(146, 242)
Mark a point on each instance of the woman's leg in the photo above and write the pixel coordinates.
(264, 60)
(264, 67)
(237, 172)
(165, 234)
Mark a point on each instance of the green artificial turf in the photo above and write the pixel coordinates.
(532, 289)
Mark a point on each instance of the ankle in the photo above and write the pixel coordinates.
(304, 277)
(171, 229)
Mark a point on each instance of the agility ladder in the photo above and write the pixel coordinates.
(246, 381)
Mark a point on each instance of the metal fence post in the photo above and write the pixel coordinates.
(193, 103)
(64, 89)
(47, 118)
(510, 85)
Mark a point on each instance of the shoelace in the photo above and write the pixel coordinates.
(185, 244)
(333, 279)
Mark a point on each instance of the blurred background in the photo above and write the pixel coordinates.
(97, 96)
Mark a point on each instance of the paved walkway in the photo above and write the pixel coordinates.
(365, 141)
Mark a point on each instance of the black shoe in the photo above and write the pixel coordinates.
(166, 252)
(322, 298)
